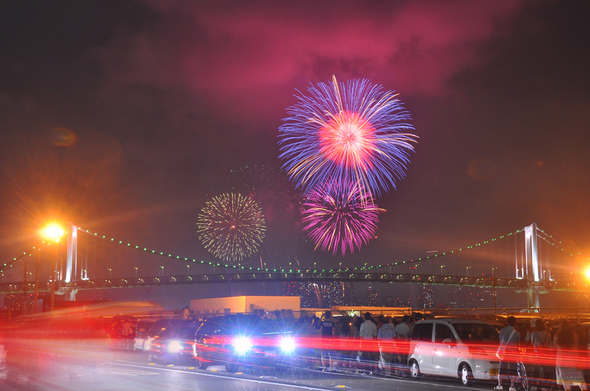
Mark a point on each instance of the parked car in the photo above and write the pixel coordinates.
(160, 325)
(141, 334)
(463, 348)
(173, 345)
(243, 340)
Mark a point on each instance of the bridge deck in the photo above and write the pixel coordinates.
(392, 278)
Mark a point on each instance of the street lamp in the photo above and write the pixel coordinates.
(162, 270)
(135, 268)
(188, 270)
(110, 272)
(52, 232)
(441, 268)
(467, 271)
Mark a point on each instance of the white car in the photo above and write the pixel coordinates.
(461, 348)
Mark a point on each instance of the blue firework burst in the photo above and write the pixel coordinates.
(351, 132)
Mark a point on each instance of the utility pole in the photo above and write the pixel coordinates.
(24, 307)
(494, 290)
(36, 281)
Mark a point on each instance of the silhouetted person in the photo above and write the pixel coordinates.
(510, 339)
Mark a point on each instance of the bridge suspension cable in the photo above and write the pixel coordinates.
(279, 269)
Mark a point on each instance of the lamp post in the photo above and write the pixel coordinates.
(53, 232)
(467, 271)
(53, 277)
(441, 269)
(135, 268)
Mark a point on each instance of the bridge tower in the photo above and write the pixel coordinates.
(529, 268)
(72, 253)
(71, 272)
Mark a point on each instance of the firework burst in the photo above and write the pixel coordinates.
(231, 226)
(351, 132)
(340, 220)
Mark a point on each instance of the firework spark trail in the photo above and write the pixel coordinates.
(340, 220)
(231, 226)
(348, 133)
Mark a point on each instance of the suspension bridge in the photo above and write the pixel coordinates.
(536, 258)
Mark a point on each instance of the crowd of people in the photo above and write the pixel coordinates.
(380, 344)
(560, 357)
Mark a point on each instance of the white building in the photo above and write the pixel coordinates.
(246, 304)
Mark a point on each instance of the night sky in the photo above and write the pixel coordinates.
(125, 117)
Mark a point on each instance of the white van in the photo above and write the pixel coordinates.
(454, 347)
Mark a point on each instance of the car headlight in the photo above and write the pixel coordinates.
(287, 344)
(174, 347)
(242, 345)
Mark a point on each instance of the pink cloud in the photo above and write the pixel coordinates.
(250, 57)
